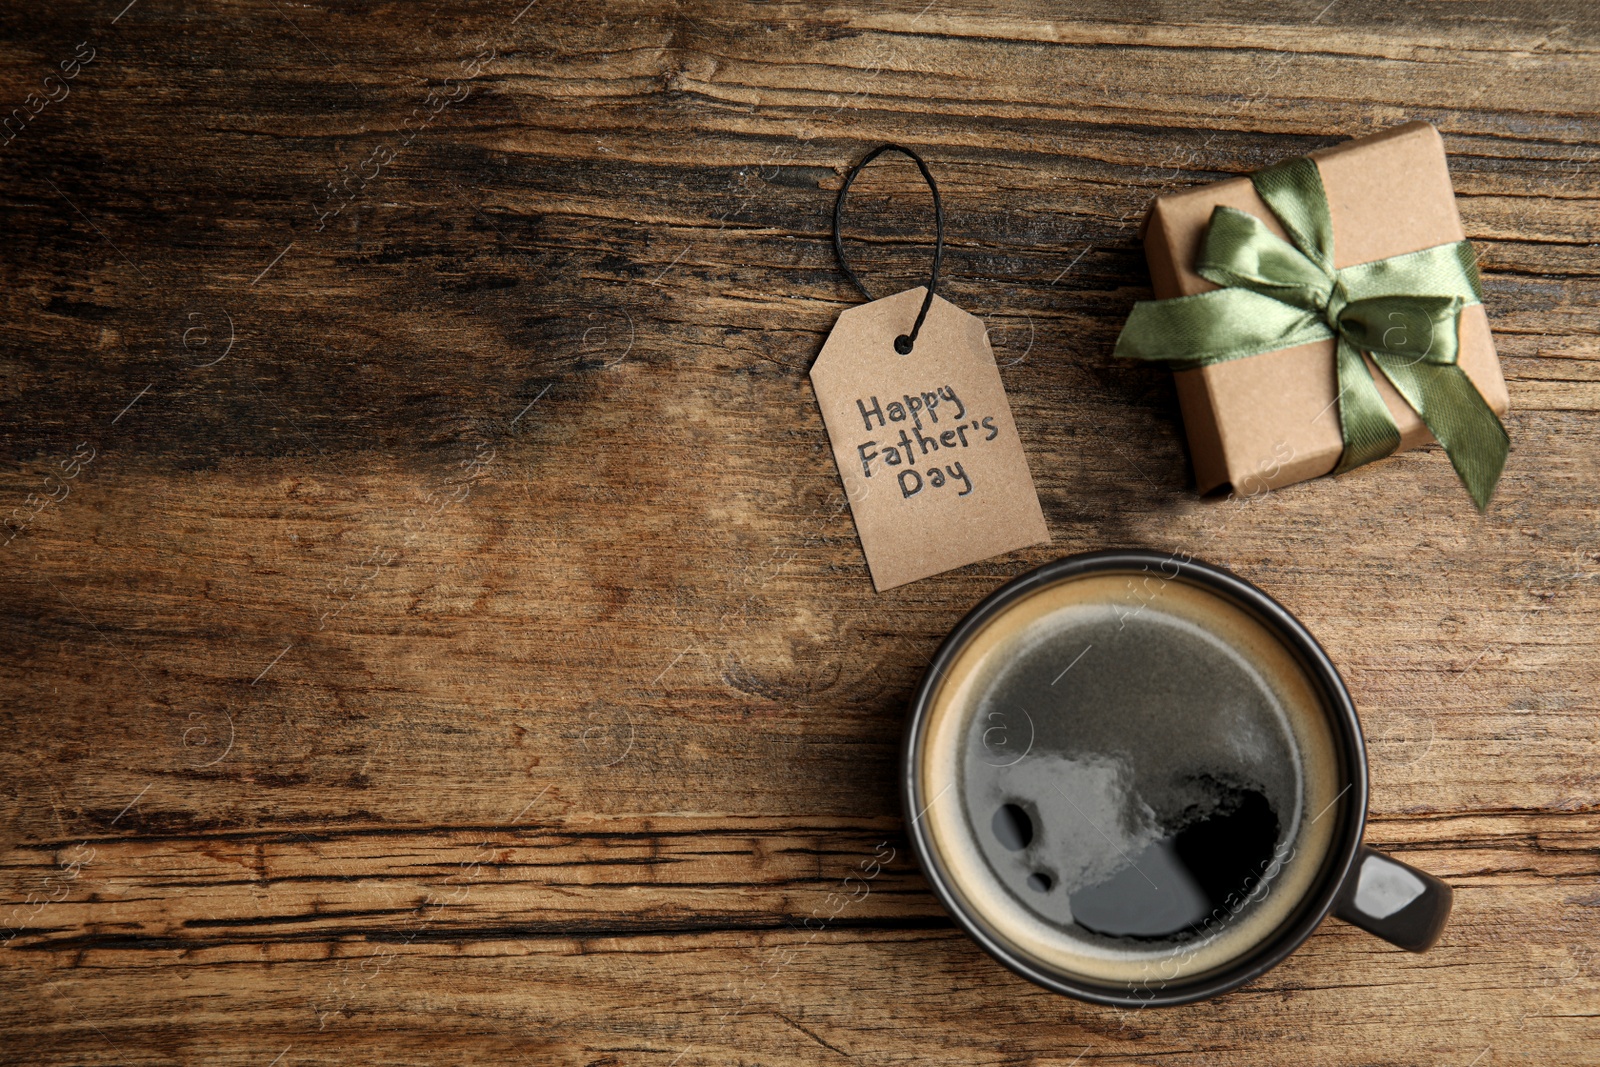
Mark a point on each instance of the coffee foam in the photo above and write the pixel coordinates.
(1298, 759)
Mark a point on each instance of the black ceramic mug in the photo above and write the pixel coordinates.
(1138, 780)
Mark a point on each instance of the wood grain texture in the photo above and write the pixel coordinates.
(458, 647)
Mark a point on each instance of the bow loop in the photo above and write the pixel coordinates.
(1240, 251)
(1411, 329)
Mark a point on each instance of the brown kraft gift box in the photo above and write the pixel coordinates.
(1270, 420)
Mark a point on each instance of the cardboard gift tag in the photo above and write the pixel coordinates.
(930, 459)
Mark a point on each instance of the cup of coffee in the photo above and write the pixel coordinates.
(1138, 780)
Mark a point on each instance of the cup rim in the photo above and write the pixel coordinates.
(1314, 906)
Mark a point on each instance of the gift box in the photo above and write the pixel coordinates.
(1335, 317)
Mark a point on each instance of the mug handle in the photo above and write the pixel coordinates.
(1395, 901)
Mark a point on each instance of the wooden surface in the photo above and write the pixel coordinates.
(451, 645)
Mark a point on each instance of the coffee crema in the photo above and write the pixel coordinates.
(1129, 778)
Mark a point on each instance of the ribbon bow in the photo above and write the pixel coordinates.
(1403, 311)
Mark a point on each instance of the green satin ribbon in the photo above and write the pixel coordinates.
(1402, 311)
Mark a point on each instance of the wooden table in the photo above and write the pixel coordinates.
(445, 639)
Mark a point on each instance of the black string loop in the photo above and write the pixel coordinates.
(905, 342)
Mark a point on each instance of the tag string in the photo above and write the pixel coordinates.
(906, 341)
